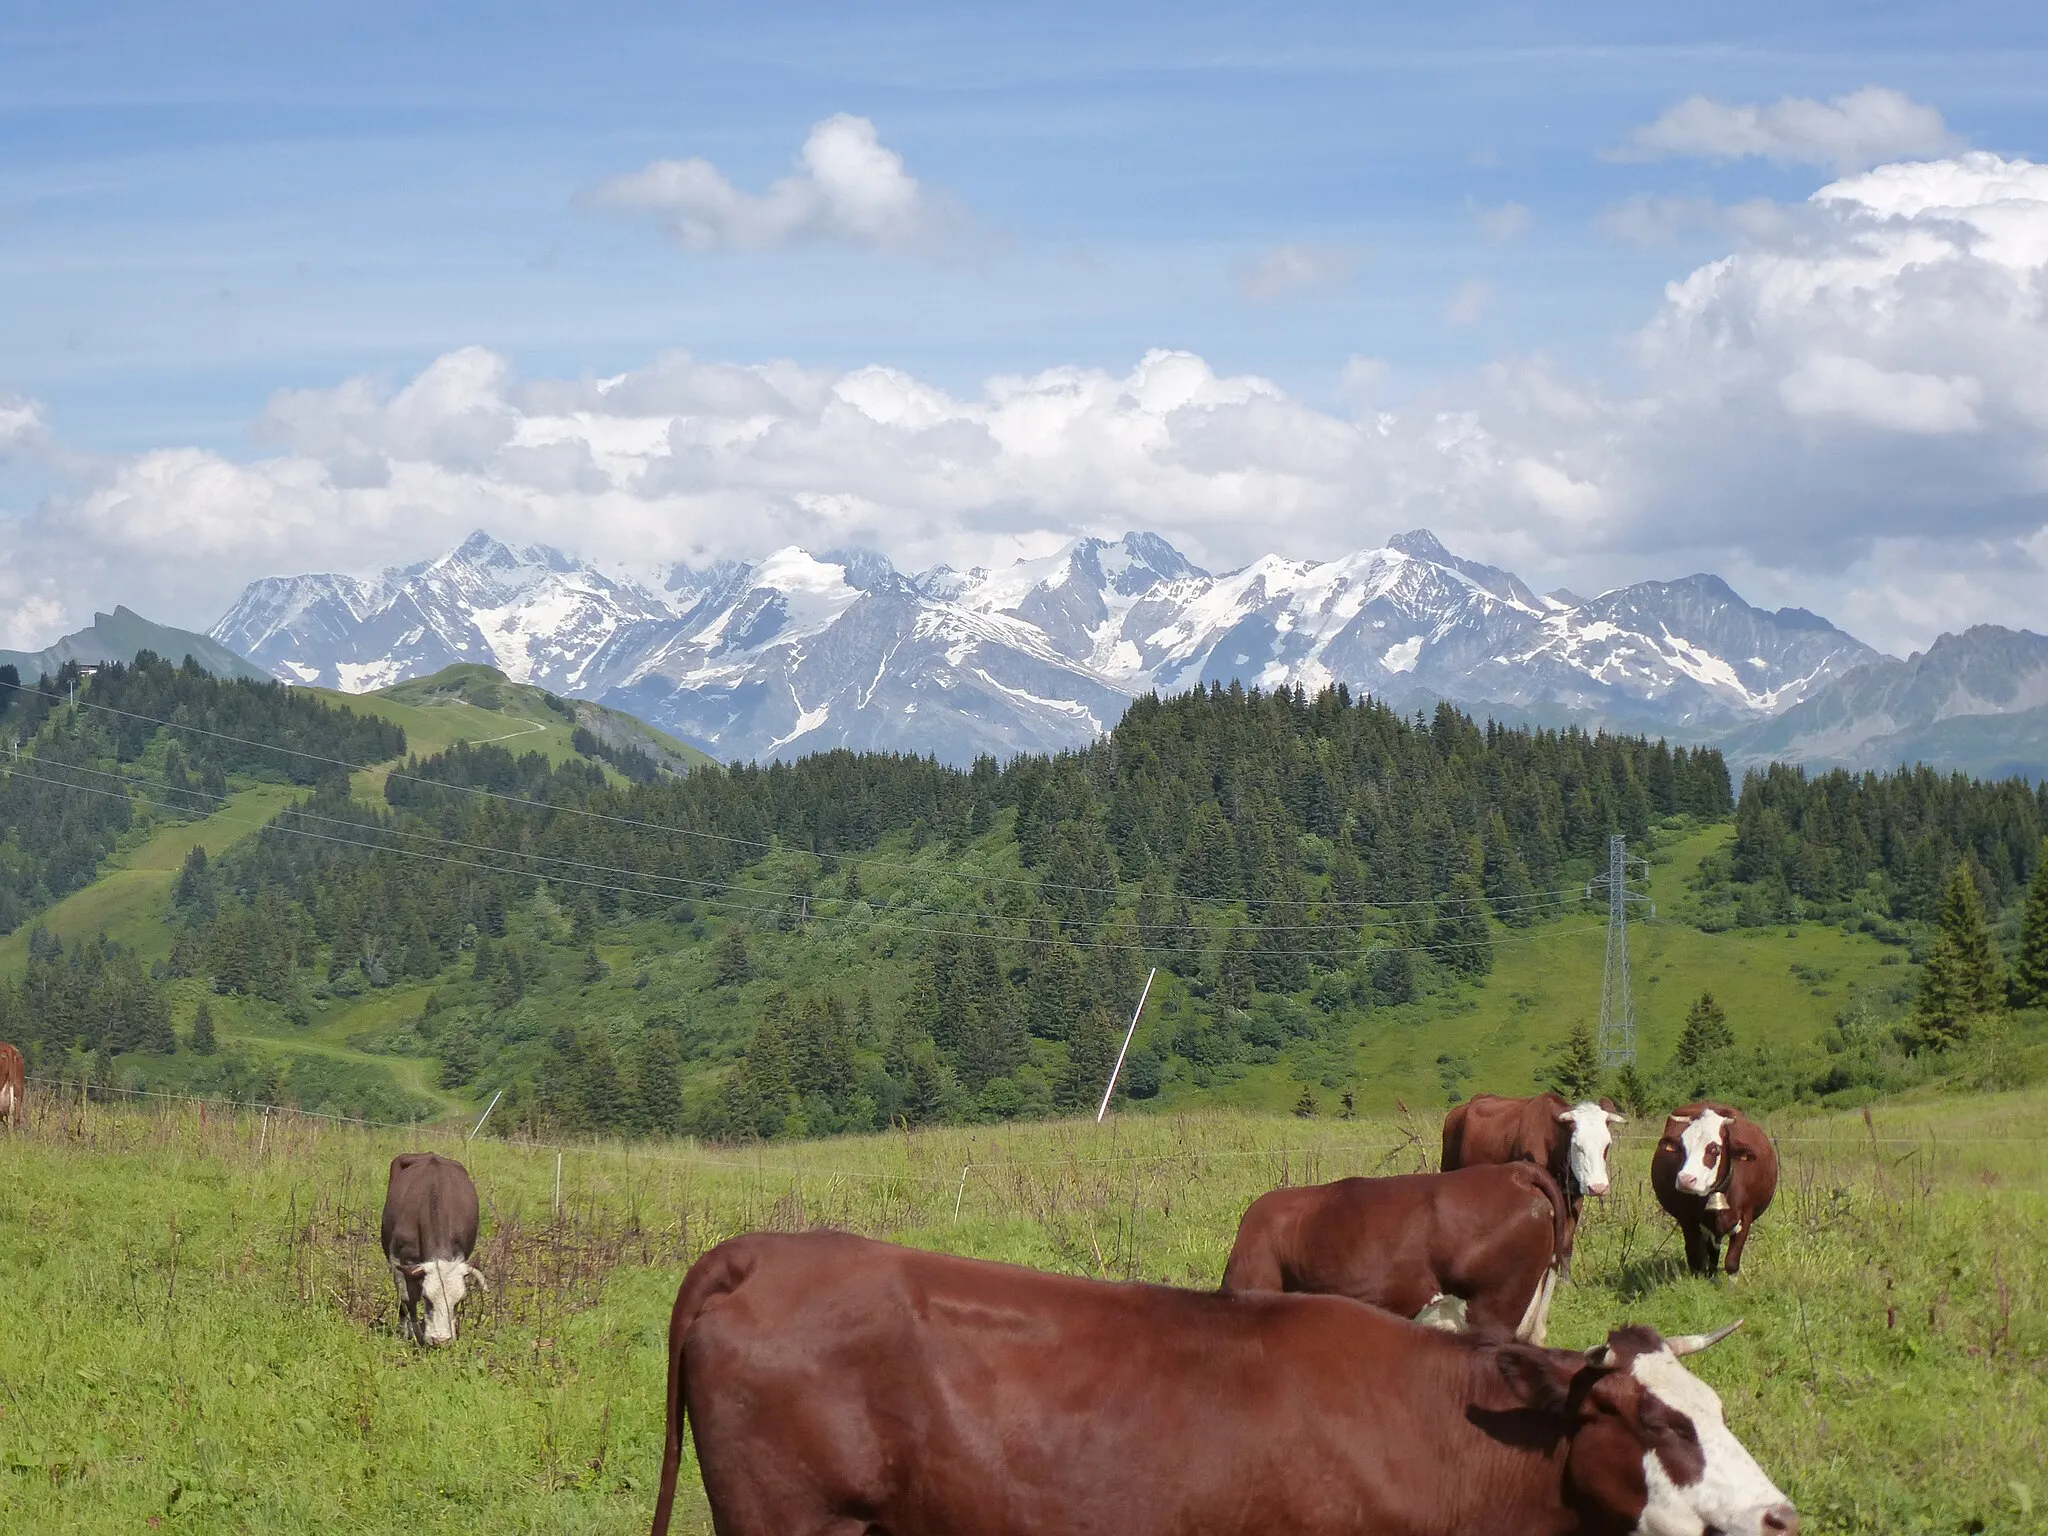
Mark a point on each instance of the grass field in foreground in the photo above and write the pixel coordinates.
(201, 1337)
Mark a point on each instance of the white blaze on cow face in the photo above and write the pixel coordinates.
(1732, 1494)
(1592, 1135)
(442, 1285)
(1705, 1145)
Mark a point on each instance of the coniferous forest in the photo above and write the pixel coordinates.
(854, 940)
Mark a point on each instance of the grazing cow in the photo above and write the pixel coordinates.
(1570, 1140)
(430, 1222)
(834, 1385)
(1478, 1248)
(13, 1084)
(1714, 1172)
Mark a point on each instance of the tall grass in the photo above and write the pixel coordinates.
(200, 1329)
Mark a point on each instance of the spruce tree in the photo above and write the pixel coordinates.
(1091, 1052)
(2030, 970)
(1960, 979)
(203, 1041)
(1574, 1069)
(1706, 1035)
(730, 963)
(1461, 940)
(658, 1082)
(602, 1099)
(460, 1055)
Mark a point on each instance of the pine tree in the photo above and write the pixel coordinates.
(460, 1055)
(1091, 1052)
(1462, 941)
(1706, 1035)
(1574, 1069)
(658, 1082)
(1960, 980)
(730, 963)
(603, 1101)
(1305, 1106)
(203, 1041)
(2030, 970)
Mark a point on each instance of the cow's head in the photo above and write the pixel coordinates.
(433, 1291)
(1592, 1134)
(1703, 1141)
(1650, 1448)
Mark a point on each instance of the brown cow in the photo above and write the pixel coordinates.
(834, 1385)
(429, 1232)
(1479, 1247)
(13, 1084)
(1714, 1172)
(1570, 1140)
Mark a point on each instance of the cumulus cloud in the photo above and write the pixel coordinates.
(1850, 400)
(1510, 221)
(1845, 133)
(850, 189)
(1469, 304)
(22, 425)
(1290, 269)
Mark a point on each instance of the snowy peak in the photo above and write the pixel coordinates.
(798, 651)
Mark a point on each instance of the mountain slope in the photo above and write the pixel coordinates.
(1977, 702)
(119, 635)
(799, 652)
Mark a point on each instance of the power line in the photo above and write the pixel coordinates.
(758, 909)
(1534, 902)
(769, 846)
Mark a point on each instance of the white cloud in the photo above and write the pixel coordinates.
(22, 425)
(1846, 133)
(1841, 412)
(1294, 268)
(1510, 221)
(1469, 304)
(851, 189)
(1829, 384)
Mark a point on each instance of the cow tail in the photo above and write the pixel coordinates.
(1561, 1233)
(716, 1274)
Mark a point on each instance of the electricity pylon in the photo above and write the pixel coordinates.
(1617, 1000)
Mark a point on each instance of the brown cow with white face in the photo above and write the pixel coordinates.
(1714, 1172)
(13, 1084)
(1478, 1248)
(429, 1231)
(834, 1385)
(1568, 1140)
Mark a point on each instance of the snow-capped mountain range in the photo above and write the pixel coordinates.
(798, 652)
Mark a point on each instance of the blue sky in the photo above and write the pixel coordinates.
(204, 205)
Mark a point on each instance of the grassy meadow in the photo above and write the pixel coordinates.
(202, 1332)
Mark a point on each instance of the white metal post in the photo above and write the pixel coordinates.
(1110, 1087)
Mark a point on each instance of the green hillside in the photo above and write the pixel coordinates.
(1348, 912)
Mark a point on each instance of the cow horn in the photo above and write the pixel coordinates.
(1693, 1343)
(477, 1275)
(1683, 1119)
(1615, 1117)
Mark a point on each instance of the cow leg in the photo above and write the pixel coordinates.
(1699, 1249)
(1535, 1324)
(1737, 1241)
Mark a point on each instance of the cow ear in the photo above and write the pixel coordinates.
(1531, 1379)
